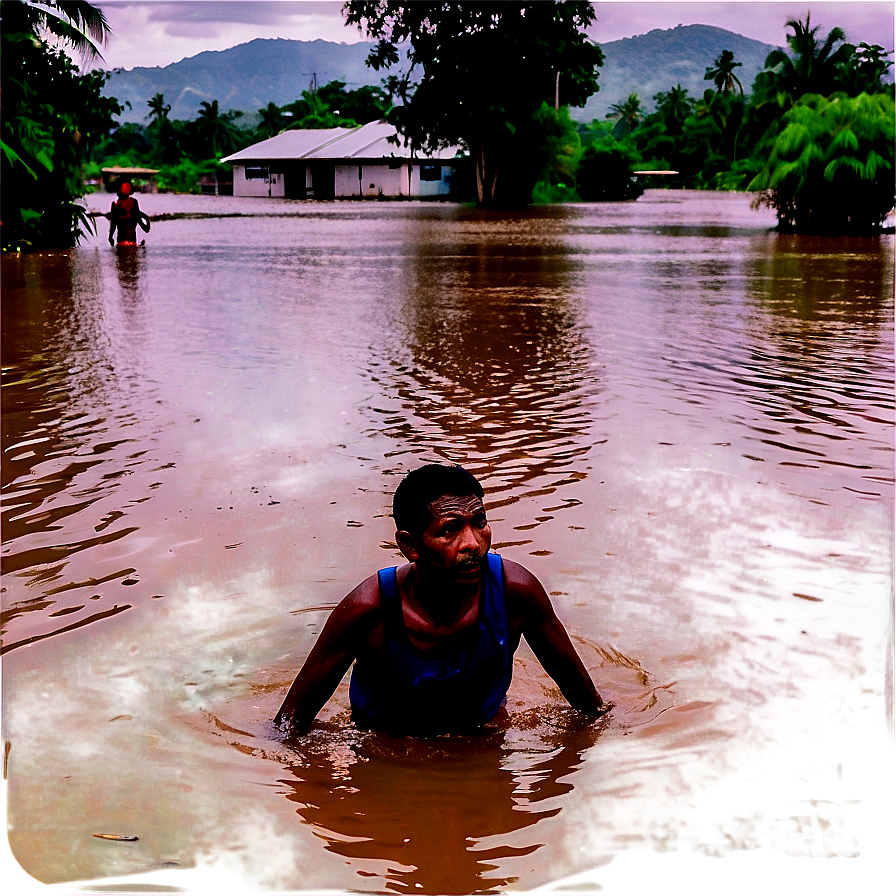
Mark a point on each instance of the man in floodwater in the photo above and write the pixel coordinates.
(124, 216)
(433, 640)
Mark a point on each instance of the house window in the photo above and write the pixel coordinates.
(257, 172)
(430, 171)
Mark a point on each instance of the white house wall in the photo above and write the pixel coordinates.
(371, 180)
(376, 179)
(273, 187)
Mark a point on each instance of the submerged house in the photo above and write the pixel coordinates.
(340, 163)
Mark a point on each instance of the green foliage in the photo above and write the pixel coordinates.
(271, 121)
(185, 176)
(214, 132)
(51, 115)
(605, 172)
(721, 73)
(478, 72)
(544, 193)
(332, 106)
(557, 148)
(811, 67)
(830, 168)
(628, 116)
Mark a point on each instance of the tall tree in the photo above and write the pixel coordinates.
(478, 73)
(812, 66)
(628, 116)
(158, 108)
(864, 71)
(214, 130)
(673, 107)
(721, 73)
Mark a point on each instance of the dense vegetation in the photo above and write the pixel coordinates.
(813, 137)
(51, 115)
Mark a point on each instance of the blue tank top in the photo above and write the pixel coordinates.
(404, 691)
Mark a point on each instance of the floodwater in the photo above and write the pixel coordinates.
(683, 423)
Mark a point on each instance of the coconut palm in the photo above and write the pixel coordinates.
(628, 115)
(722, 75)
(74, 22)
(158, 108)
(215, 130)
(865, 70)
(811, 67)
(673, 107)
(271, 120)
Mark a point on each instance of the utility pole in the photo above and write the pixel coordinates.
(557, 92)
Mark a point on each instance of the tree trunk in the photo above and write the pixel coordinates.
(486, 175)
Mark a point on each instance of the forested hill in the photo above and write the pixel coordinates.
(661, 59)
(251, 75)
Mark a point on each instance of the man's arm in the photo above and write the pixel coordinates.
(112, 224)
(332, 654)
(549, 641)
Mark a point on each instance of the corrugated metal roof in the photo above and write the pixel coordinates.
(370, 141)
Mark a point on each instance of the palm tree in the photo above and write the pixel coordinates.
(271, 120)
(674, 106)
(216, 130)
(75, 22)
(723, 74)
(628, 115)
(158, 108)
(812, 67)
(865, 70)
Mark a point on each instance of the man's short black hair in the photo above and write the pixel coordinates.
(410, 506)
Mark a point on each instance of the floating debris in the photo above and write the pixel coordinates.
(121, 838)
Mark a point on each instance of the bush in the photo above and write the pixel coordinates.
(544, 193)
(829, 168)
(605, 172)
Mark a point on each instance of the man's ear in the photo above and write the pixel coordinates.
(407, 544)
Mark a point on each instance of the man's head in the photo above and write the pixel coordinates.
(124, 189)
(441, 524)
(415, 493)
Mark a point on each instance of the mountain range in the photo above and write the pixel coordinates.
(251, 75)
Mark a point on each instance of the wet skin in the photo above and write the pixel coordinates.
(440, 589)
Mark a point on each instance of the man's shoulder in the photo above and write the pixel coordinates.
(363, 598)
(520, 585)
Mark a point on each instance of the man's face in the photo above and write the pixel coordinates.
(455, 542)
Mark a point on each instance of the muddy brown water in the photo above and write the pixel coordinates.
(683, 423)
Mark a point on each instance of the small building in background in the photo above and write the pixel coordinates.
(341, 163)
(141, 179)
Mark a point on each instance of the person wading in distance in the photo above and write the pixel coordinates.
(124, 216)
(433, 640)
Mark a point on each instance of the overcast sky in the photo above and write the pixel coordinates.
(158, 32)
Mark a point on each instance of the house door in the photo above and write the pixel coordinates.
(323, 180)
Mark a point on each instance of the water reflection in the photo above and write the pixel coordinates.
(79, 416)
(818, 280)
(129, 263)
(820, 364)
(448, 815)
(489, 363)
